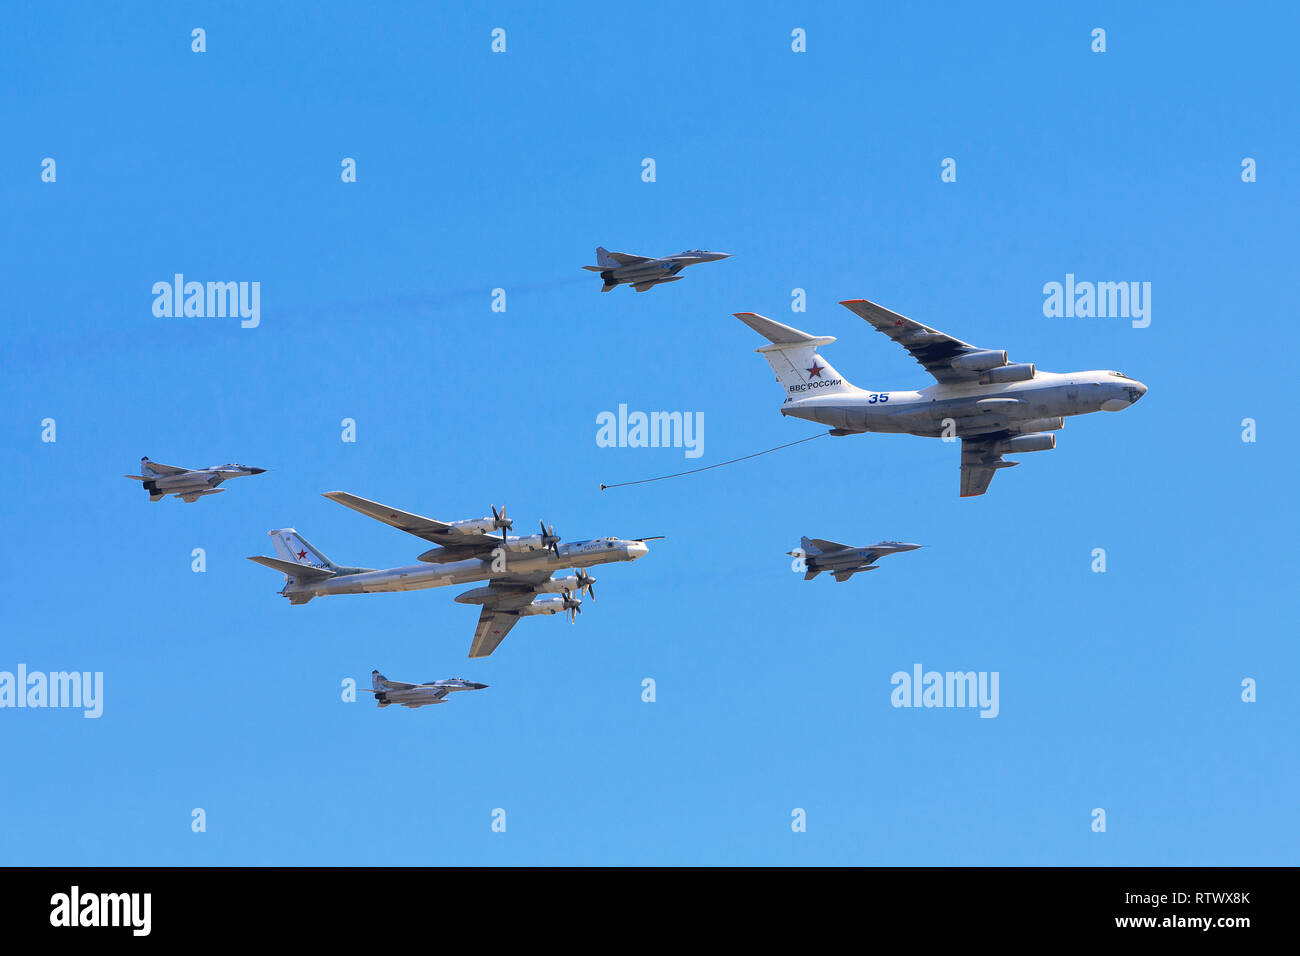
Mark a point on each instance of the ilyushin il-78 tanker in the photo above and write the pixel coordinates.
(995, 406)
(518, 569)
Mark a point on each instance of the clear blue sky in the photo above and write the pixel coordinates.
(818, 171)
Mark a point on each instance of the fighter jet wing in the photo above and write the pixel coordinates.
(821, 544)
(623, 259)
(167, 469)
(429, 529)
(932, 349)
(979, 461)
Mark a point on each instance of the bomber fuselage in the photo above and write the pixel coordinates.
(415, 577)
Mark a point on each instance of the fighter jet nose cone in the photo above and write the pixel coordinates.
(477, 686)
(257, 471)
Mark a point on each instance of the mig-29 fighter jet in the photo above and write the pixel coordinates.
(416, 695)
(188, 484)
(843, 560)
(994, 406)
(643, 273)
(518, 569)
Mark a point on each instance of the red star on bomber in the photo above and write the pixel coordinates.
(302, 554)
(816, 370)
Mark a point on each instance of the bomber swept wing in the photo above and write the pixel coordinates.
(430, 529)
(932, 349)
(508, 596)
(506, 599)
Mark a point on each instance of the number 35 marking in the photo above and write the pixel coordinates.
(877, 397)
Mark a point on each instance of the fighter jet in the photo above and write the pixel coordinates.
(417, 695)
(843, 560)
(519, 569)
(642, 273)
(188, 484)
(996, 407)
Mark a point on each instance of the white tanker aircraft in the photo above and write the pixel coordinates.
(518, 569)
(994, 406)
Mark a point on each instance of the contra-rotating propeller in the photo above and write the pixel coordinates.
(501, 522)
(573, 606)
(586, 583)
(550, 539)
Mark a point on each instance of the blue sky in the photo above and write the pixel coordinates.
(817, 170)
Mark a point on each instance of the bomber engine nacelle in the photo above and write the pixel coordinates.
(471, 525)
(1020, 372)
(551, 604)
(980, 361)
(1039, 441)
(560, 585)
(477, 596)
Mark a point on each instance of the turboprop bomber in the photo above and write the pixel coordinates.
(995, 406)
(519, 569)
(188, 484)
(643, 272)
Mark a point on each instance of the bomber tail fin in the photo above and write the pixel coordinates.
(291, 546)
